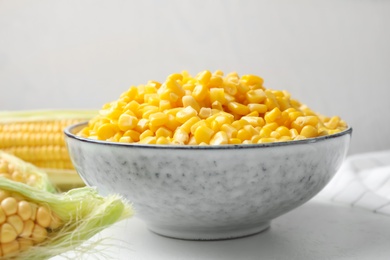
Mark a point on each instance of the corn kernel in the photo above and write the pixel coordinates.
(272, 115)
(204, 112)
(235, 141)
(217, 94)
(106, 131)
(256, 96)
(333, 122)
(186, 126)
(180, 136)
(267, 140)
(219, 138)
(200, 92)
(190, 101)
(203, 134)
(148, 140)
(204, 77)
(238, 108)
(185, 114)
(162, 140)
(127, 122)
(158, 119)
(260, 108)
(163, 131)
(309, 131)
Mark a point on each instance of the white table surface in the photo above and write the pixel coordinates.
(319, 229)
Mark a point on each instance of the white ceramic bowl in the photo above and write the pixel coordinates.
(209, 192)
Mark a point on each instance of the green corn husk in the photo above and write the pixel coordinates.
(31, 175)
(82, 212)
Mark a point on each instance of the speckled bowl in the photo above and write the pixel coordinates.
(209, 192)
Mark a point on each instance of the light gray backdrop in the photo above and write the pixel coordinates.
(333, 55)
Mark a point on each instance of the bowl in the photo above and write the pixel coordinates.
(209, 192)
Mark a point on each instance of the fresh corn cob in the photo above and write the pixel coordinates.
(16, 169)
(37, 137)
(36, 224)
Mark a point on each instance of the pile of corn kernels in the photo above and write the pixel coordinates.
(208, 109)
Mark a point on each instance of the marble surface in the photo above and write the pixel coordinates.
(318, 230)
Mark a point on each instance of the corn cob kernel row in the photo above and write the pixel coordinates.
(37, 136)
(23, 223)
(208, 109)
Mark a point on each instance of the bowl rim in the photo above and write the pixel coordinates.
(68, 132)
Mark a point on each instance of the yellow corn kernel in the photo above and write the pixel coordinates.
(158, 119)
(204, 112)
(272, 115)
(163, 131)
(217, 94)
(299, 137)
(175, 87)
(148, 140)
(142, 125)
(152, 99)
(251, 80)
(285, 138)
(309, 131)
(219, 138)
(244, 134)
(186, 126)
(185, 114)
(271, 101)
(133, 134)
(172, 124)
(333, 122)
(238, 108)
(256, 96)
(106, 131)
(283, 103)
(163, 140)
(234, 141)
(215, 82)
(190, 101)
(267, 140)
(175, 77)
(148, 110)
(127, 122)
(239, 124)
(230, 89)
(265, 132)
(180, 136)
(145, 134)
(275, 134)
(217, 105)
(204, 77)
(260, 108)
(164, 105)
(203, 134)
(126, 139)
(283, 131)
(230, 131)
(200, 92)
(255, 139)
(254, 121)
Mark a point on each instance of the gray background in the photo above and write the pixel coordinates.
(333, 55)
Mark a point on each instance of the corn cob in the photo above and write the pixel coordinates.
(16, 169)
(36, 224)
(37, 137)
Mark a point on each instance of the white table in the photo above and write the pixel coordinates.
(319, 229)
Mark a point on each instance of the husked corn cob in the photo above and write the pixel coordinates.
(18, 170)
(37, 136)
(208, 109)
(36, 224)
